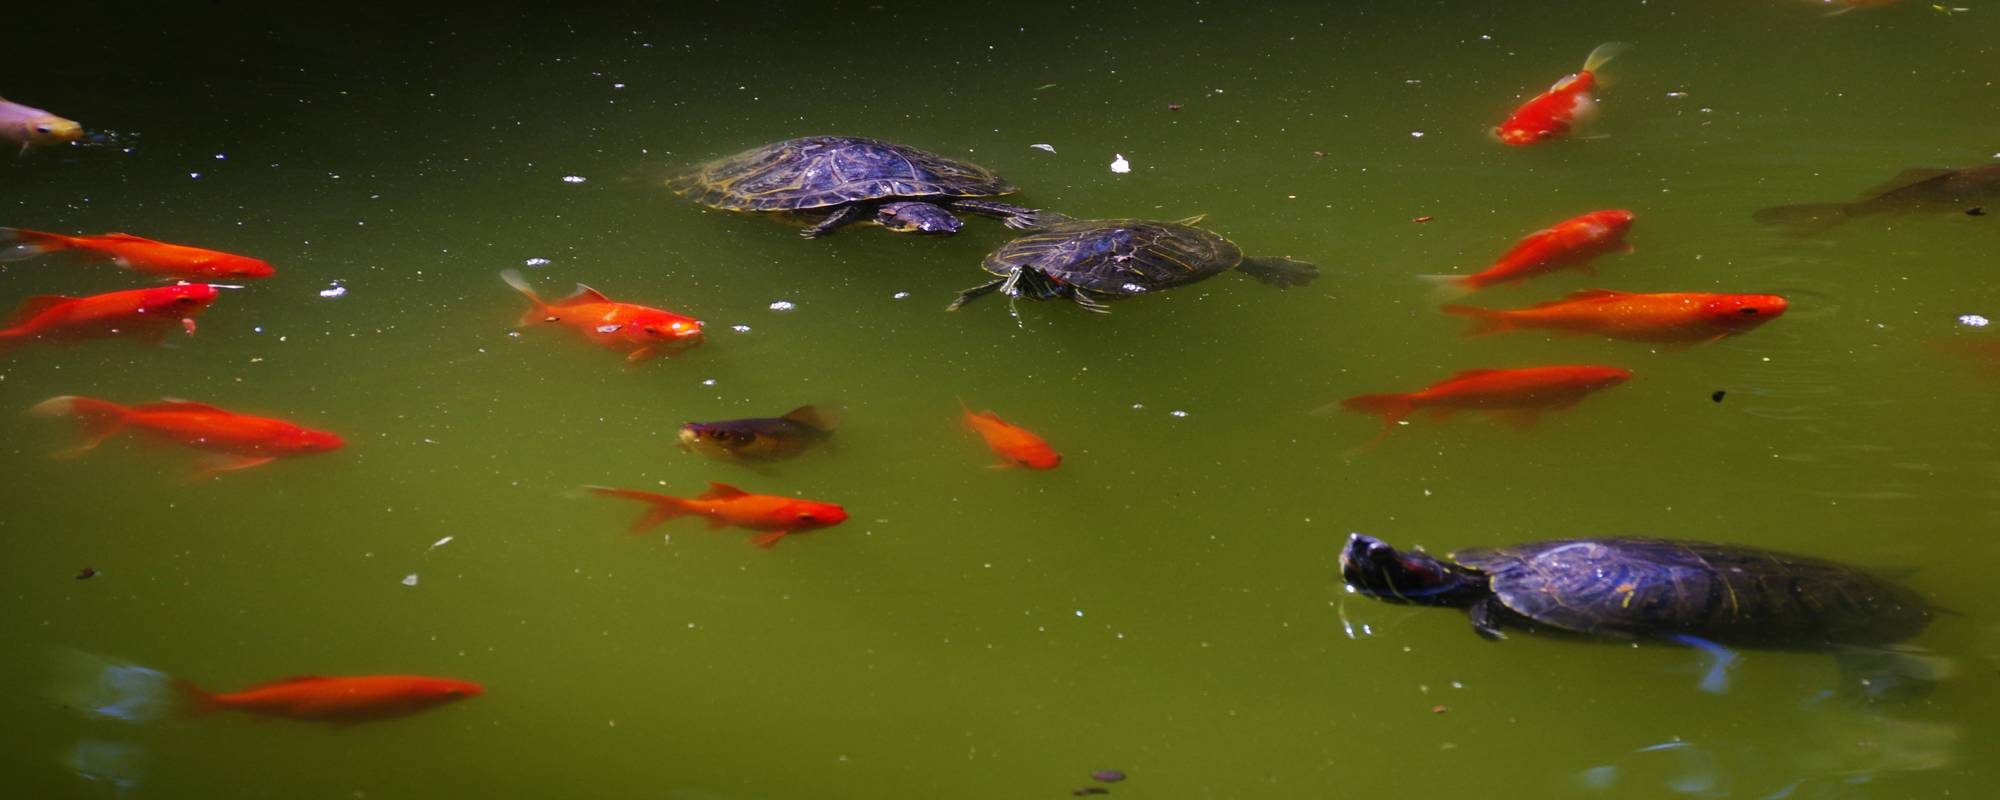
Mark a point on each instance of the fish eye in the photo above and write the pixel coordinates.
(43, 129)
(183, 299)
(806, 516)
(652, 330)
(1749, 310)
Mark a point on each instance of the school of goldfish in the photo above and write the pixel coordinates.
(228, 440)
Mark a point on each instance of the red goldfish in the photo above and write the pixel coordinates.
(1676, 317)
(1571, 244)
(1019, 446)
(650, 331)
(726, 505)
(1551, 114)
(1526, 393)
(238, 441)
(341, 700)
(146, 313)
(170, 261)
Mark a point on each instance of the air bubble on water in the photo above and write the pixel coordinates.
(899, 295)
(1138, 406)
(709, 382)
(574, 179)
(1973, 321)
(1178, 413)
(195, 175)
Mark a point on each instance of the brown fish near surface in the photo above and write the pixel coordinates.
(761, 438)
(32, 127)
(1914, 191)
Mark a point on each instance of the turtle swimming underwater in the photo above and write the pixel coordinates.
(1092, 261)
(851, 179)
(1692, 593)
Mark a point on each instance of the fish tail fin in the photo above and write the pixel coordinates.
(1392, 407)
(539, 310)
(663, 507)
(200, 702)
(1804, 216)
(769, 540)
(1603, 53)
(101, 419)
(1449, 287)
(18, 244)
(108, 688)
(1484, 320)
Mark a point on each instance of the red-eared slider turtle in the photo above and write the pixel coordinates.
(1692, 593)
(1093, 261)
(850, 179)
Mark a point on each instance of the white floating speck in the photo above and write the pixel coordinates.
(608, 328)
(1138, 406)
(617, 86)
(1119, 164)
(195, 175)
(536, 262)
(410, 579)
(1178, 413)
(1974, 320)
(740, 328)
(440, 543)
(1411, 81)
(1416, 134)
(1677, 94)
(333, 291)
(574, 179)
(709, 382)
(221, 156)
(1048, 147)
(899, 295)
(782, 305)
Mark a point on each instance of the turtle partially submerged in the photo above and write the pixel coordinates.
(844, 179)
(1692, 593)
(1094, 261)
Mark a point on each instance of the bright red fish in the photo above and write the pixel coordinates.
(149, 314)
(238, 441)
(726, 505)
(170, 261)
(1674, 317)
(1569, 244)
(1019, 446)
(1553, 113)
(340, 700)
(650, 331)
(1522, 393)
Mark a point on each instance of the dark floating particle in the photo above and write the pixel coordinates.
(1976, 211)
(1089, 790)
(86, 574)
(1717, 397)
(1108, 775)
(1173, 106)
(1424, 218)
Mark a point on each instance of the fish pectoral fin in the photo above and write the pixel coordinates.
(716, 523)
(641, 354)
(215, 465)
(769, 540)
(1522, 419)
(1003, 465)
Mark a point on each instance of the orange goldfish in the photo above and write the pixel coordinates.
(146, 313)
(650, 331)
(726, 505)
(1572, 244)
(1524, 393)
(339, 700)
(1674, 317)
(169, 261)
(1019, 446)
(238, 441)
(1553, 113)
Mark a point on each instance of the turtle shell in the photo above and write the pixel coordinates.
(1631, 588)
(1118, 257)
(822, 171)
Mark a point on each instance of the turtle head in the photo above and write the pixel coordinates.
(914, 217)
(1375, 569)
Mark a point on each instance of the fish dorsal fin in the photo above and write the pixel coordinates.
(1593, 294)
(1191, 221)
(287, 681)
(1905, 179)
(583, 294)
(172, 404)
(126, 237)
(812, 417)
(34, 306)
(1472, 373)
(719, 491)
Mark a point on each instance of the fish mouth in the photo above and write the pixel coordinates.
(689, 436)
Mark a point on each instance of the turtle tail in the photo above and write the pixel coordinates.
(1283, 273)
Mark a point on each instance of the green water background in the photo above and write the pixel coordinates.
(1165, 603)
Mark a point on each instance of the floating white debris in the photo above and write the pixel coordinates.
(1974, 320)
(333, 291)
(782, 305)
(899, 295)
(536, 262)
(1119, 164)
(410, 579)
(440, 543)
(709, 382)
(222, 156)
(574, 179)
(1677, 94)
(1138, 406)
(195, 175)
(1048, 147)
(617, 86)
(1416, 134)
(740, 328)
(1178, 413)
(608, 328)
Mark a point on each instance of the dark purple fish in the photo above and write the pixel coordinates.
(1108, 775)
(760, 438)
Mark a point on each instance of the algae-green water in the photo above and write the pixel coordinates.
(1166, 603)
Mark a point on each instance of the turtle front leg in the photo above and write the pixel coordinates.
(1016, 217)
(841, 216)
(975, 293)
(1486, 615)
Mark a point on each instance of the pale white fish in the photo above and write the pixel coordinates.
(32, 127)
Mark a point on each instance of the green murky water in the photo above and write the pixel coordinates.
(1166, 602)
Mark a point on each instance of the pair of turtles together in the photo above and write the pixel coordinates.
(845, 179)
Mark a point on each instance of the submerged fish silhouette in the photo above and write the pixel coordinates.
(1913, 191)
